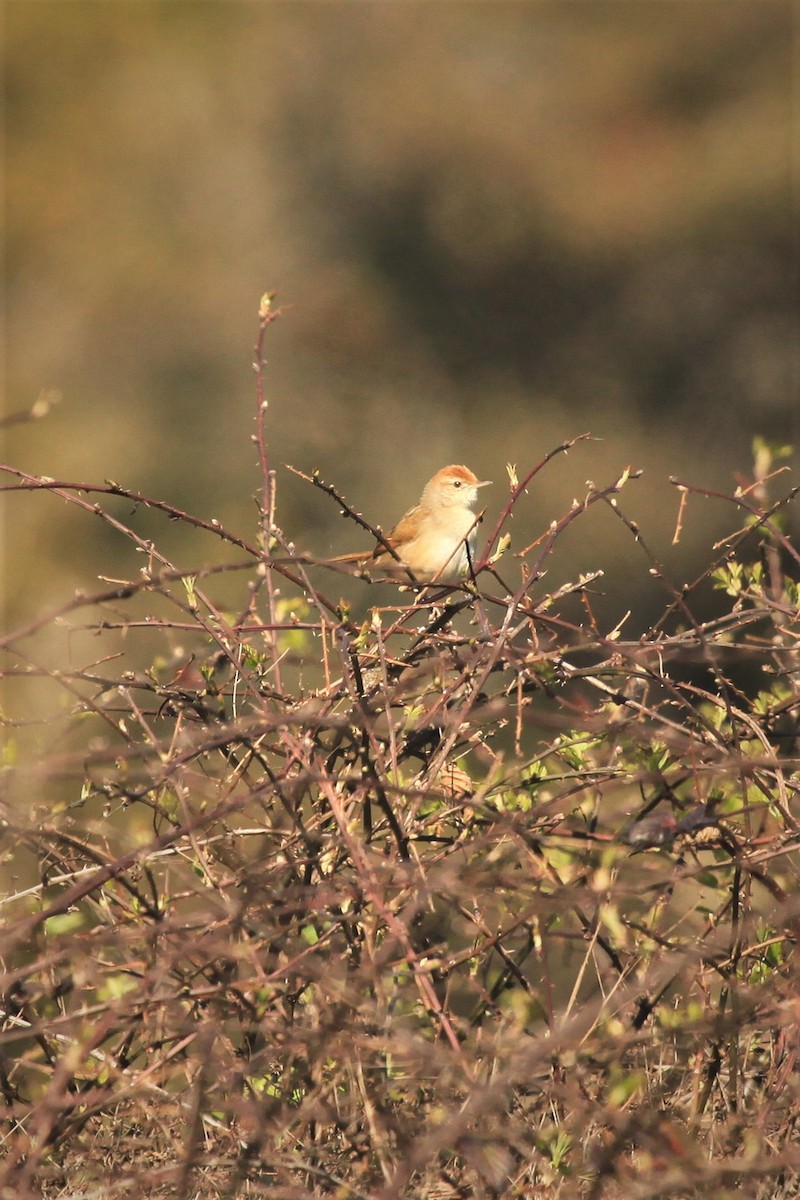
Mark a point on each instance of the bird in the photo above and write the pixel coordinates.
(435, 540)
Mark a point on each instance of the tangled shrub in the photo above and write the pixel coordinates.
(466, 898)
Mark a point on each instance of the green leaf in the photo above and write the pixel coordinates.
(63, 923)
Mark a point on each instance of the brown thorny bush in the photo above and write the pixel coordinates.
(469, 899)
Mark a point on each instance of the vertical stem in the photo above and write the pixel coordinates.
(266, 315)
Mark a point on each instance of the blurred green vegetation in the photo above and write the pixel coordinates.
(494, 227)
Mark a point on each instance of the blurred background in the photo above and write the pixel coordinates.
(492, 226)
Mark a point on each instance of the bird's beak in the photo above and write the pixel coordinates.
(483, 483)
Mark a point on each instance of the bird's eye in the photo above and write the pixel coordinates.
(456, 483)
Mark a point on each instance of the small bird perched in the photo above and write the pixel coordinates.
(431, 540)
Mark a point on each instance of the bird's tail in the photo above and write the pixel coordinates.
(362, 557)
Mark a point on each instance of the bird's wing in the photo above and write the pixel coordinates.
(405, 529)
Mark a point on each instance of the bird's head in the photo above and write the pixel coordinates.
(452, 487)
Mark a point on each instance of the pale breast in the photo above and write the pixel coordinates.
(438, 549)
